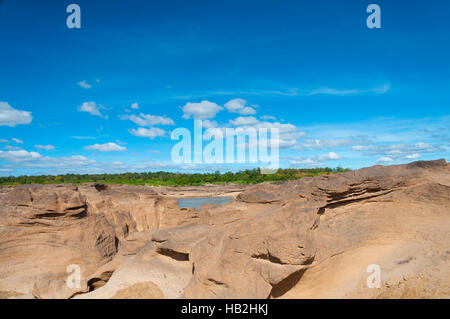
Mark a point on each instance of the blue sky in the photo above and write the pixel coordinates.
(104, 98)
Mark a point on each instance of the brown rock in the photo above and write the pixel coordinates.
(309, 238)
(141, 290)
(46, 228)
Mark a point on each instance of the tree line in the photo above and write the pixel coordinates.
(161, 178)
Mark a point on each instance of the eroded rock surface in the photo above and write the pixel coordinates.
(310, 238)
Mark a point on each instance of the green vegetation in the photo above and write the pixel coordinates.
(173, 179)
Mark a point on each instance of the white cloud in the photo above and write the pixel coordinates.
(239, 106)
(72, 163)
(209, 124)
(331, 91)
(235, 105)
(201, 111)
(329, 156)
(9, 116)
(412, 156)
(360, 147)
(240, 121)
(325, 143)
(9, 147)
(107, 147)
(84, 137)
(84, 84)
(135, 106)
(385, 159)
(120, 142)
(91, 108)
(304, 161)
(316, 160)
(268, 117)
(45, 147)
(148, 119)
(17, 140)
(19, 160)
(2, 140)
(398, 151)
(19, 156)
(247, 111)
(149, 133)
(288, 133)
(293, 91)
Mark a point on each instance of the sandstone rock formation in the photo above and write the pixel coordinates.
(309, 238)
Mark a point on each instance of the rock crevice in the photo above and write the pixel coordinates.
(273, 240)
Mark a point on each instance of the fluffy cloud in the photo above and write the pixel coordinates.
(412, 156)
(331, 91)
(323, 143)
(393, 152)
(84, 137)
(17, 140)
(84, 84)
(91, 108)
(148, 119)
(120, 142)
(201, 111)
(288, 133)
(107, 147)
(239, 106)
(17, 161)
(268, 117)
(9, 147)
(329, 156)
(316, 160)
(9, 116)
(209, 124)
(19, 156)
(135, 106)
(385, 159)
(241, 121)
(45, 147)
(149, 133)
(71, 163)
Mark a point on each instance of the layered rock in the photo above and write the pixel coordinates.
(46, 228)
(313, 237)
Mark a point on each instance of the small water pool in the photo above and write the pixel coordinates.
(198, 201)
